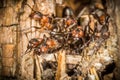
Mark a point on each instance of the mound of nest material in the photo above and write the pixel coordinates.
(74, 48)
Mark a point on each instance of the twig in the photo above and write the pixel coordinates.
(81, 12)
(85, 44)
(72, 25)
(58, 18)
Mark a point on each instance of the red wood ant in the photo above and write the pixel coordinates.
(78, 32)
(52, 43)
(45, 45)
(33, 43)
(41, 49)
(44, 49)
(69, 22)
(102, 29)
(36, 15)
(44, 20)
(68, 33)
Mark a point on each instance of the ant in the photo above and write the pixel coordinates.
(69, 33)
(33, 43)
(102, 29)
(45, 45)
(44, 20)
(78, 32)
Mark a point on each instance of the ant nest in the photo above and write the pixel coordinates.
(74, 48)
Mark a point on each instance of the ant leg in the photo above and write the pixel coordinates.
(83, 39)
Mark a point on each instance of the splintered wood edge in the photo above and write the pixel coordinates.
(61, 69)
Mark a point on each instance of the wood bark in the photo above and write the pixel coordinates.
(14, 20)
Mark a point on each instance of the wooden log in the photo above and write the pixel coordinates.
(7, 50)
(60, 74)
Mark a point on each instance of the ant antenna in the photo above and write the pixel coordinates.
(30, 7)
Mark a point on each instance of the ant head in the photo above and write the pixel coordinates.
(36, 15)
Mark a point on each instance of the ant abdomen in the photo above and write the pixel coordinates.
(67, 12)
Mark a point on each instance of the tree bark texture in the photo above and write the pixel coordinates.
(16, 30)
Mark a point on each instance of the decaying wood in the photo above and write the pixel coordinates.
(70, 59)
(73, 59)
(60, 74)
